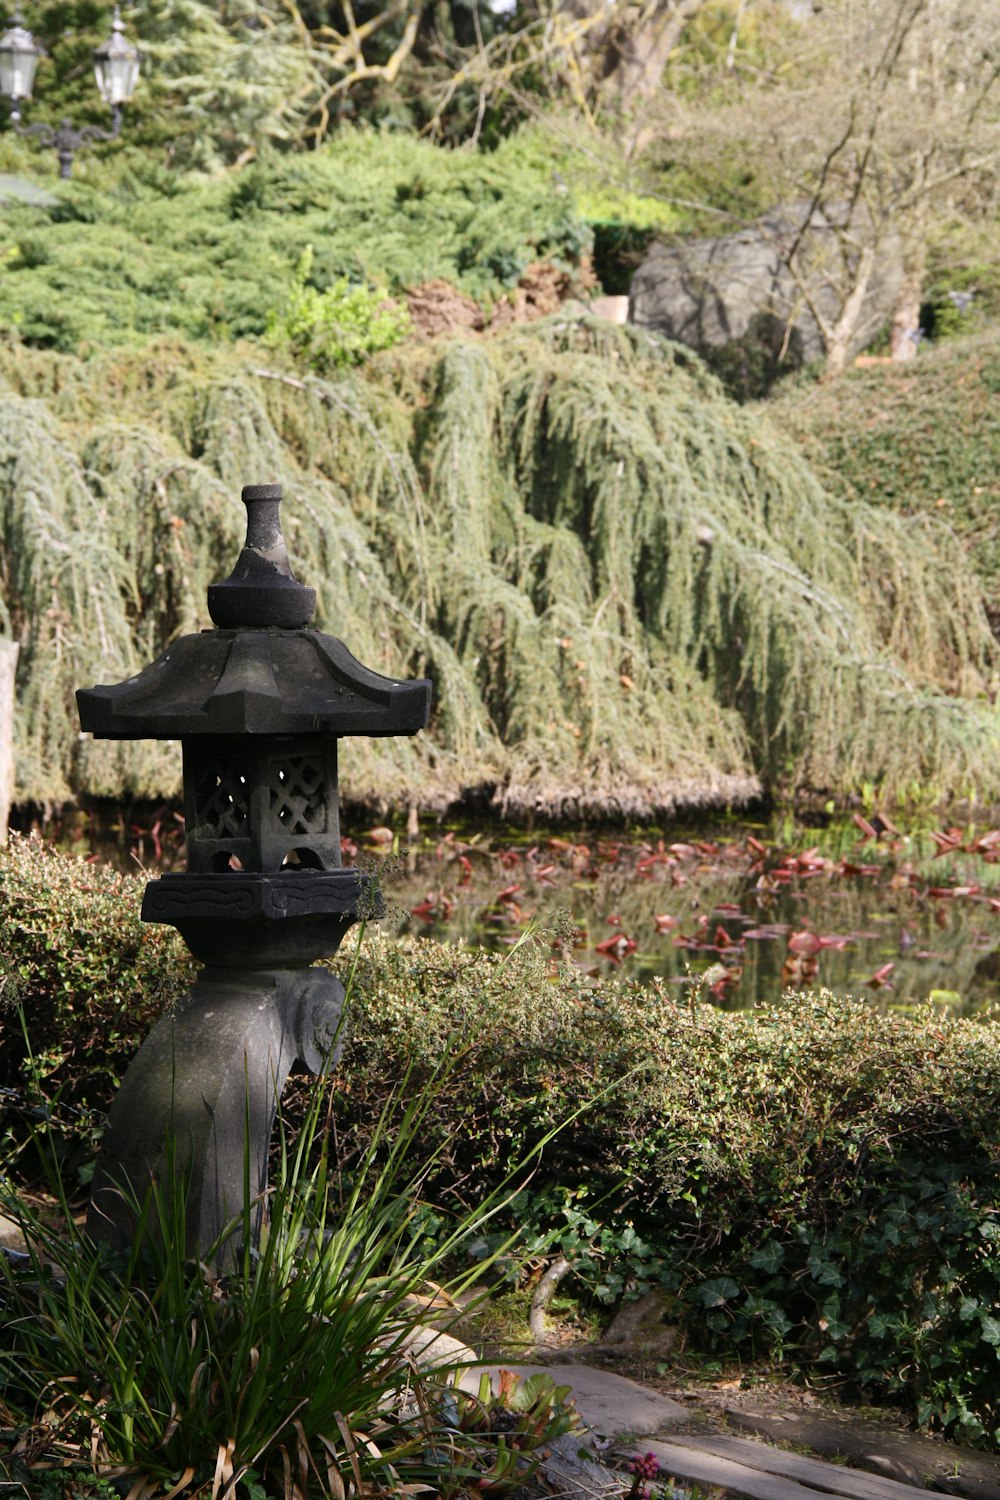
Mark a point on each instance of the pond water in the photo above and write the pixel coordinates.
(738, 910)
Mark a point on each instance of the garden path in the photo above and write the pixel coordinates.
(693, 1440)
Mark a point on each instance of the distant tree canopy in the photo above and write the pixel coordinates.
(222, 81)
(880, 121)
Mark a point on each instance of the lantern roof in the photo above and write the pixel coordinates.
(262, 672)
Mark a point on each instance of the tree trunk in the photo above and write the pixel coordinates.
(629, 55)
(841, 335)
(639, 53)
(8, 666)
(903, 338)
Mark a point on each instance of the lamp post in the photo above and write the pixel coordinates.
(116, 68)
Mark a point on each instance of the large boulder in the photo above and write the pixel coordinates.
(709, 293)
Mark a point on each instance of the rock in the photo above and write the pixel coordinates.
(712, 292)
(430, 1347)
(609, 1404)
(11, 1237)
(614, 309)
(20, 190)
(906, 1457)
(641, 1328)
(574, 1471)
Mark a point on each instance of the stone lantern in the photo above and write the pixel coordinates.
(258, 705)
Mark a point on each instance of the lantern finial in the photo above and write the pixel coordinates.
(261, 591)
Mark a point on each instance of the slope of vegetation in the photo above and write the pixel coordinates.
(917, 439)
(629, 595)
(149, 251)
(628, 591)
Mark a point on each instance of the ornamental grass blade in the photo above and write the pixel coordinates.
(280, 1428)
(351, 1450)
(304, 1456)
(253, 1362)
(143, 1489)
(181, 1484)
(334, 1482)
(172, 1425)
(291, 1490)
(199, 1369)
(223, 1466)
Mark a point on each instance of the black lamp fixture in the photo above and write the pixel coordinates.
(116, 68)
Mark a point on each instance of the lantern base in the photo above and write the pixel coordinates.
(242, 919)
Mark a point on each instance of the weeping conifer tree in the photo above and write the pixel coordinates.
(630, 593)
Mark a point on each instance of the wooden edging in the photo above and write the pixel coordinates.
(760, 1472)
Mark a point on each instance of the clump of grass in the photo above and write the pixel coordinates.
(281, 1366)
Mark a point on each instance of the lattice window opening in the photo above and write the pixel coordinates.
(302, 859)
(223, 801)
(224, 860)
(298, 796)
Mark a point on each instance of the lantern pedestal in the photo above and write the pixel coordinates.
(242, 920)
(199, 1101)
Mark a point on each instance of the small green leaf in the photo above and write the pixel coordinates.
(717, 1292)
(769, 1257)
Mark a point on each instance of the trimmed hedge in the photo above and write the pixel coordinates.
(814, 1179)
(90, 977)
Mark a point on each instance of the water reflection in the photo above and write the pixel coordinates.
(741, 912)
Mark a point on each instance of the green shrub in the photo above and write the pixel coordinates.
(898, 1291)
(338, 326)
(813, 1181)
(135, 252)
(919, 439)
(588, 171)
(91, 978)
(962, 259)
(752, 365)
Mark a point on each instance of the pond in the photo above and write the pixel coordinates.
(736, 910)
(739, 911)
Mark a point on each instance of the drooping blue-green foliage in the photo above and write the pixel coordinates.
(629, 592)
